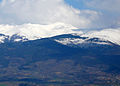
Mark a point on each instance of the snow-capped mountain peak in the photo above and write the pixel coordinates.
(36, 31)
(112, 35)
(103, 37)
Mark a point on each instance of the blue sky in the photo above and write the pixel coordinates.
(79, 13)
(79, 4)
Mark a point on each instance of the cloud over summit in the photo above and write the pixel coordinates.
(44, 12)
(97, 14)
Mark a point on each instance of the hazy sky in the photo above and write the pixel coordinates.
(79, 13)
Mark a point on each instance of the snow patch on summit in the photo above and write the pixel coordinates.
(36, 31)
(67, 41)
(103, 37)
(112, 35)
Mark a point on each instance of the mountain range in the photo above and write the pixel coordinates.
(28, 32)
(60, 55)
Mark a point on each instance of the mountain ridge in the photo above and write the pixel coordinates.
(26, 32)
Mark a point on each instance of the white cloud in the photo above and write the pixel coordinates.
(110, 10)
(45, 12)
(108, 5)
